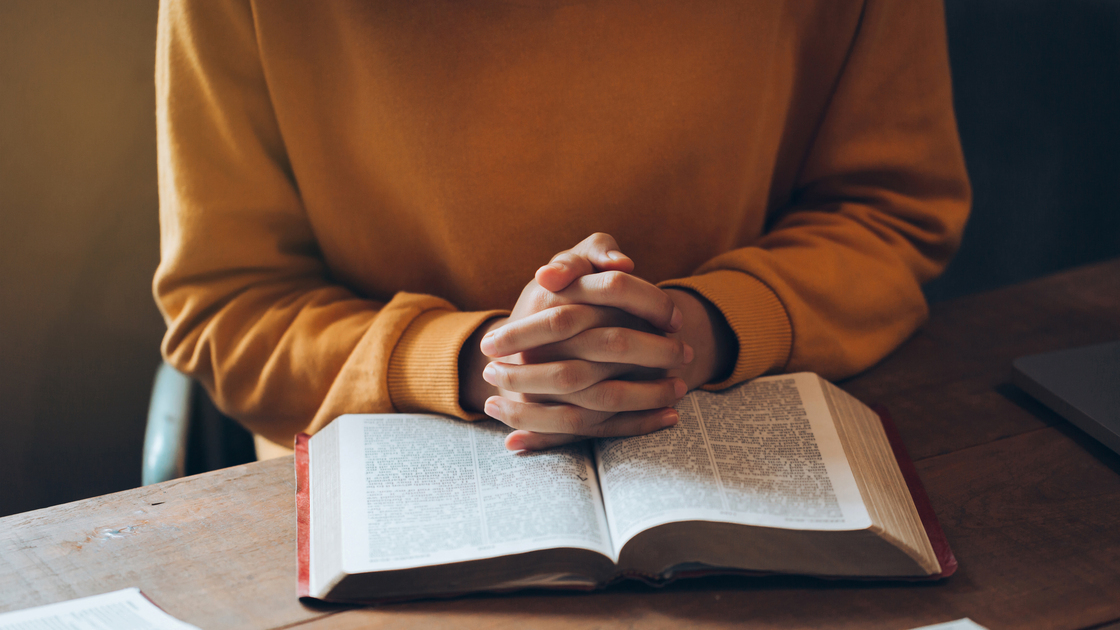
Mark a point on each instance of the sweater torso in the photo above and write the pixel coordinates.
(451, 148)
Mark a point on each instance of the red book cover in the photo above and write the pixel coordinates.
(303, 518)
(936, 536)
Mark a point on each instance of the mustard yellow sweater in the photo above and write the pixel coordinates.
(349, 188)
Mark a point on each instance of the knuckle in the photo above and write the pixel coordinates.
(609, 395)
(613, 282)
(571, 420)
(667, 304)
(561, 322)
(511, 415)
(602, 240)
(614, 341)
(507, 378)
(588, 316)
(498, 337)
(677, 351)
(561, 256)
(540, 300)
(567, 258)
(566, 377)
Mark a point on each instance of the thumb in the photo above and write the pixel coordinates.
(596, 253)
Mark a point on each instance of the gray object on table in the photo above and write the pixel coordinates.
(1080, 384)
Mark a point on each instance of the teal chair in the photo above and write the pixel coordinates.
(186, 434)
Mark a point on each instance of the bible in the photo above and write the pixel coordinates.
(782, 474)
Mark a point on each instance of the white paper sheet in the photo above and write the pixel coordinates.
(126, 609)
(959, 624)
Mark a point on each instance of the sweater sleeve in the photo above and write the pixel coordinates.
(251, 310)
(878, 208)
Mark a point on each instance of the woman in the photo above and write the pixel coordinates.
(353, 194)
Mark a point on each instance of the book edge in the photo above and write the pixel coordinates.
(918, 494)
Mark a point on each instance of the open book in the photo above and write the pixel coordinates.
(784, 474)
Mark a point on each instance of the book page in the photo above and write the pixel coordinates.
(764, 453)
(428, 490)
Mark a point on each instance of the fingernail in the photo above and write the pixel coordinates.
(680, 388)
(515, 444)
(490, 374)
(616, 255)
(669, 418)
(491, 408)
(689, 354)
(558, 266)
(488, 345)
(677, 319)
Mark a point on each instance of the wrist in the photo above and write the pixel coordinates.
(712, 340)
(473, 390)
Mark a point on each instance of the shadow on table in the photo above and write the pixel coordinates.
(1044, 414)
(811, 601)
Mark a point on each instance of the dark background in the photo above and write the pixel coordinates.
(1037, 92)
(1037, 95)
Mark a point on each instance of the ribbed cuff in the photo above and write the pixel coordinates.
(424, 367)
(756, 316)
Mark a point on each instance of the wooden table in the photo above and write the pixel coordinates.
(1030, 505)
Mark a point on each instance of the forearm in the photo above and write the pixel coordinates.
(288, 358)
(877, 208)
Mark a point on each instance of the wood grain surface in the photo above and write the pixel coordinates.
(1030, 505)
(216, 550)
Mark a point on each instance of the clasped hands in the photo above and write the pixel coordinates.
(591, 350)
